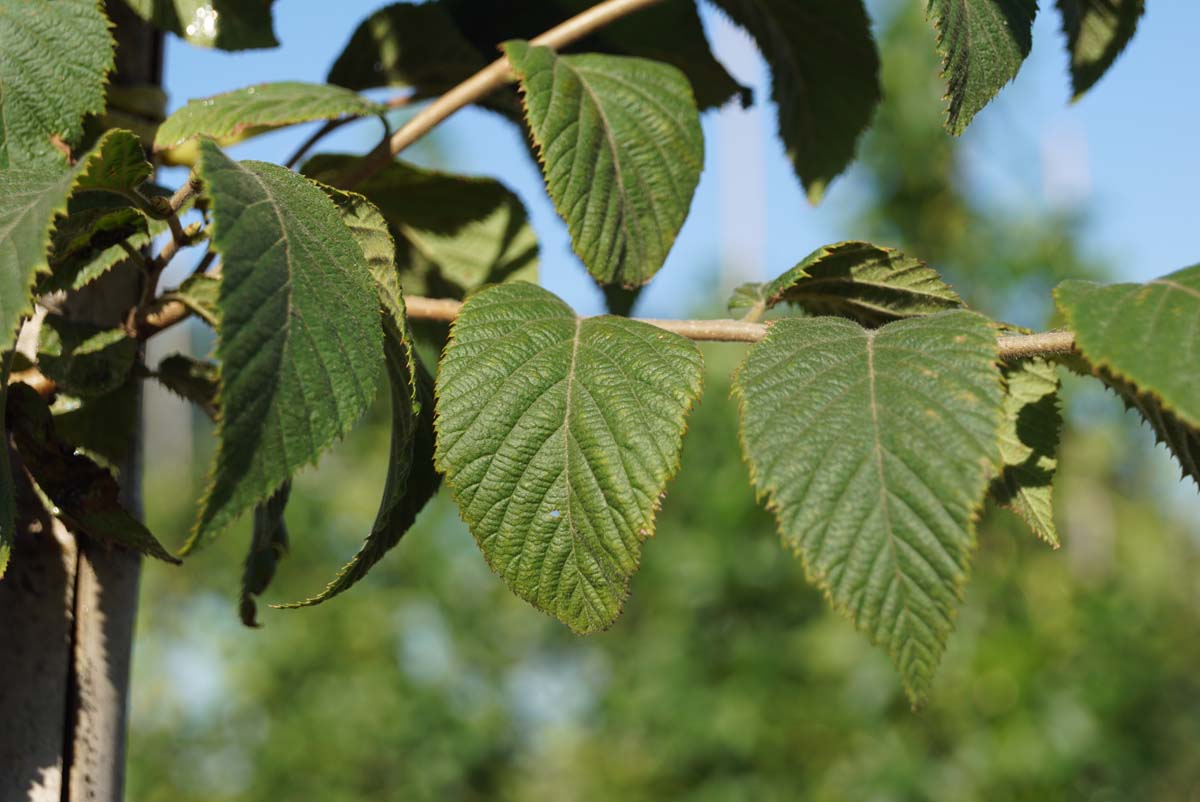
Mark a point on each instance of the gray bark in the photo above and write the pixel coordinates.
(68, 604)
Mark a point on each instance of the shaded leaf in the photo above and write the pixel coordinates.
(621, 149)
(103, 426)
(54, 59)
(1181, 439)
(452, 233)
(411, 478)
(824, 78)
(407, 45)
(557, 436)
(84, 359)
(268, 545)
(29, 201)
(1097, 31)
(200, 293)
(8, 501)
(982, 44)
(263, 107)
(83, 493)
(864, 282)
(223, 24)
(1029, 445)
(874, 449)
(89, 242)
(670, 32)
(299, 341)
(1142, 334)
(194, 380)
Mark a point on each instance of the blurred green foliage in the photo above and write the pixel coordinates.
(1072, 675)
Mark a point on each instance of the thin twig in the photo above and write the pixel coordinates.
(484, 82)
(1016, 346)
(332, 125)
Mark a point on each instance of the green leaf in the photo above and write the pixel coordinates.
(557, 436)
(102, 426)
(89, 242)
(824, 78)
(200, 294)
(1142, 334)
(83, 493)
(84, 359)
(874, 449)
(268, 545)
(407, 45)
(411, 478)
(1097, 31)
(749, 300)
(864, 282)
(8, 501)
(620, 144)
(1182, 440)
(192, 380)
(982, 44)
(299, 341)
(29, 201)
(1029, 445)
(670, 32)
(452, 233)
(263, 107)
(54, 59)
(223, 24)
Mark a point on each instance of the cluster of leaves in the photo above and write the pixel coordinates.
(876, 416)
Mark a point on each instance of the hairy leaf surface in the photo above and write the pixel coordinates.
(824, 78)
(85, 495)
(262, 107)
(982, 43)
(1097, 31)
(621, 149)
(1029, 445)
(54, 59)
(299, 341)
(864, 282)
(452, 233)
(557, 436)
(1147, 335)
(223, 24)
(874, 449)
(411, 478)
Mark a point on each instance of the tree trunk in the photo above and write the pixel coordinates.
(68, 603)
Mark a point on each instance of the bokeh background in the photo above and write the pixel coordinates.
(1073, 674)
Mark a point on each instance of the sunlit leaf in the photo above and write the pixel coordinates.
(1029, 445)
(200, 294)
(54, 59)
(864, 282)
(874, 449)
(557, 436)
(299, 341)
(262, 107)
(621, 149)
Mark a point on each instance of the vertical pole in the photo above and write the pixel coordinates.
(68, 604)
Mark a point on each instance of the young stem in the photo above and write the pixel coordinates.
(1017, 346)
(484, 82)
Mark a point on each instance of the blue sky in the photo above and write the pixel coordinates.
(1125, 153)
